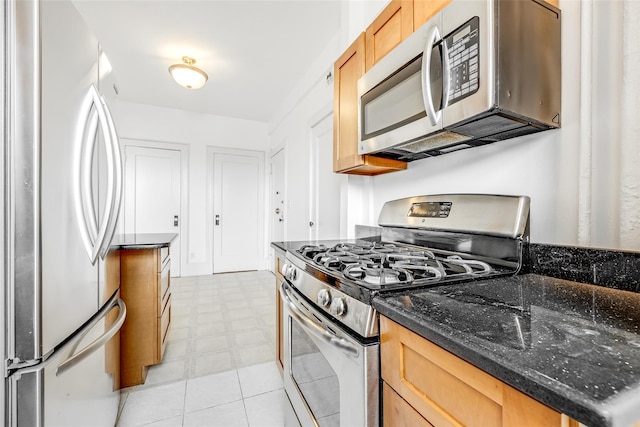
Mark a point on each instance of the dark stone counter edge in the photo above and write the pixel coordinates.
(620, 410)
(142, 241)
(282, 246)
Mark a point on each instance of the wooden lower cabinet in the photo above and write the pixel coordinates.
(112, 347)
(425, 385)
(145, 286)
(279, 261)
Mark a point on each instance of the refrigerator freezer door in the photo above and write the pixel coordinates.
(77, 384)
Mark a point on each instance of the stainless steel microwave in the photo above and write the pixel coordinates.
(478, 72)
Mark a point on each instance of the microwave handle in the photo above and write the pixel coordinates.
(434, 117)
(446, 75)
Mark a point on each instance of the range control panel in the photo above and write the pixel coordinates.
(464, 60)
(430, 209)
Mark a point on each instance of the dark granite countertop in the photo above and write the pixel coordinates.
(572, 346)
(142, 241)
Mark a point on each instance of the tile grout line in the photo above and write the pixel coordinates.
(191, 340)
(184, 402)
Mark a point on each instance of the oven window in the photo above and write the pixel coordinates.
(315, 378)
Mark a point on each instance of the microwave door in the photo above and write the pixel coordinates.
(392, 109)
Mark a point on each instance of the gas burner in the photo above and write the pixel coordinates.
(412, 258)
(470, 266)
(376, 274)
(388, 248)
(339, 263)
(310, 251)
(322, 257)
(346, 247)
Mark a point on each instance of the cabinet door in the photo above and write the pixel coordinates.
(347, 70)
(448, 391)
(394, 24)
(423, 10)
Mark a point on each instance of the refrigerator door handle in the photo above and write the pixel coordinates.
(94, 234)
(79, 356)
(40, 364)
(115, 178)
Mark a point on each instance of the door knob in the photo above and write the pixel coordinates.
(311, 224)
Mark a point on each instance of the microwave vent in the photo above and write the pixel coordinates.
(433, 141)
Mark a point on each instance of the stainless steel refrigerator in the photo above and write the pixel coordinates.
(62, 181)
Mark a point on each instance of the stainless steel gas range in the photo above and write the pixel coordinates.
(331, 337)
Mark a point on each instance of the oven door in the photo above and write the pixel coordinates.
(331, 378)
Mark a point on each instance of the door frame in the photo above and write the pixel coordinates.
(281, 148)
(184, 187)
(314, 121)
(263, 244)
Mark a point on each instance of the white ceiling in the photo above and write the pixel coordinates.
(253, 51)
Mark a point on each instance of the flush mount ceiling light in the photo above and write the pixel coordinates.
(187, 75)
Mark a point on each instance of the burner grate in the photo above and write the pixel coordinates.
(387, 264)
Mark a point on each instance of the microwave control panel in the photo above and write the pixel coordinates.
(464, 60)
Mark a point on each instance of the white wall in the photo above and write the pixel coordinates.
(581, 178)
(200, 131)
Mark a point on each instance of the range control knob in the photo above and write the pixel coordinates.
(285, 269)
(289, 272)
(339, 307)
(324, 298)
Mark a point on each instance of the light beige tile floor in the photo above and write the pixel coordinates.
(219, 367)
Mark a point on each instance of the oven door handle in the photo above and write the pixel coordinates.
(316, 329)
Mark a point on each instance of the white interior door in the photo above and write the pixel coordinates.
(152, 195)
(277, 197)
(326, 186)
(236, 210)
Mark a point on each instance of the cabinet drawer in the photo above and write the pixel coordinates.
(164, 282)
(163, 328)
(397, 412)
(163, 257)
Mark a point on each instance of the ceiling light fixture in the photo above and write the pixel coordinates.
(187, 75)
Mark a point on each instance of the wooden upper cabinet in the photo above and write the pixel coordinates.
(392, 26)
(347, 70)
(423, 10)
